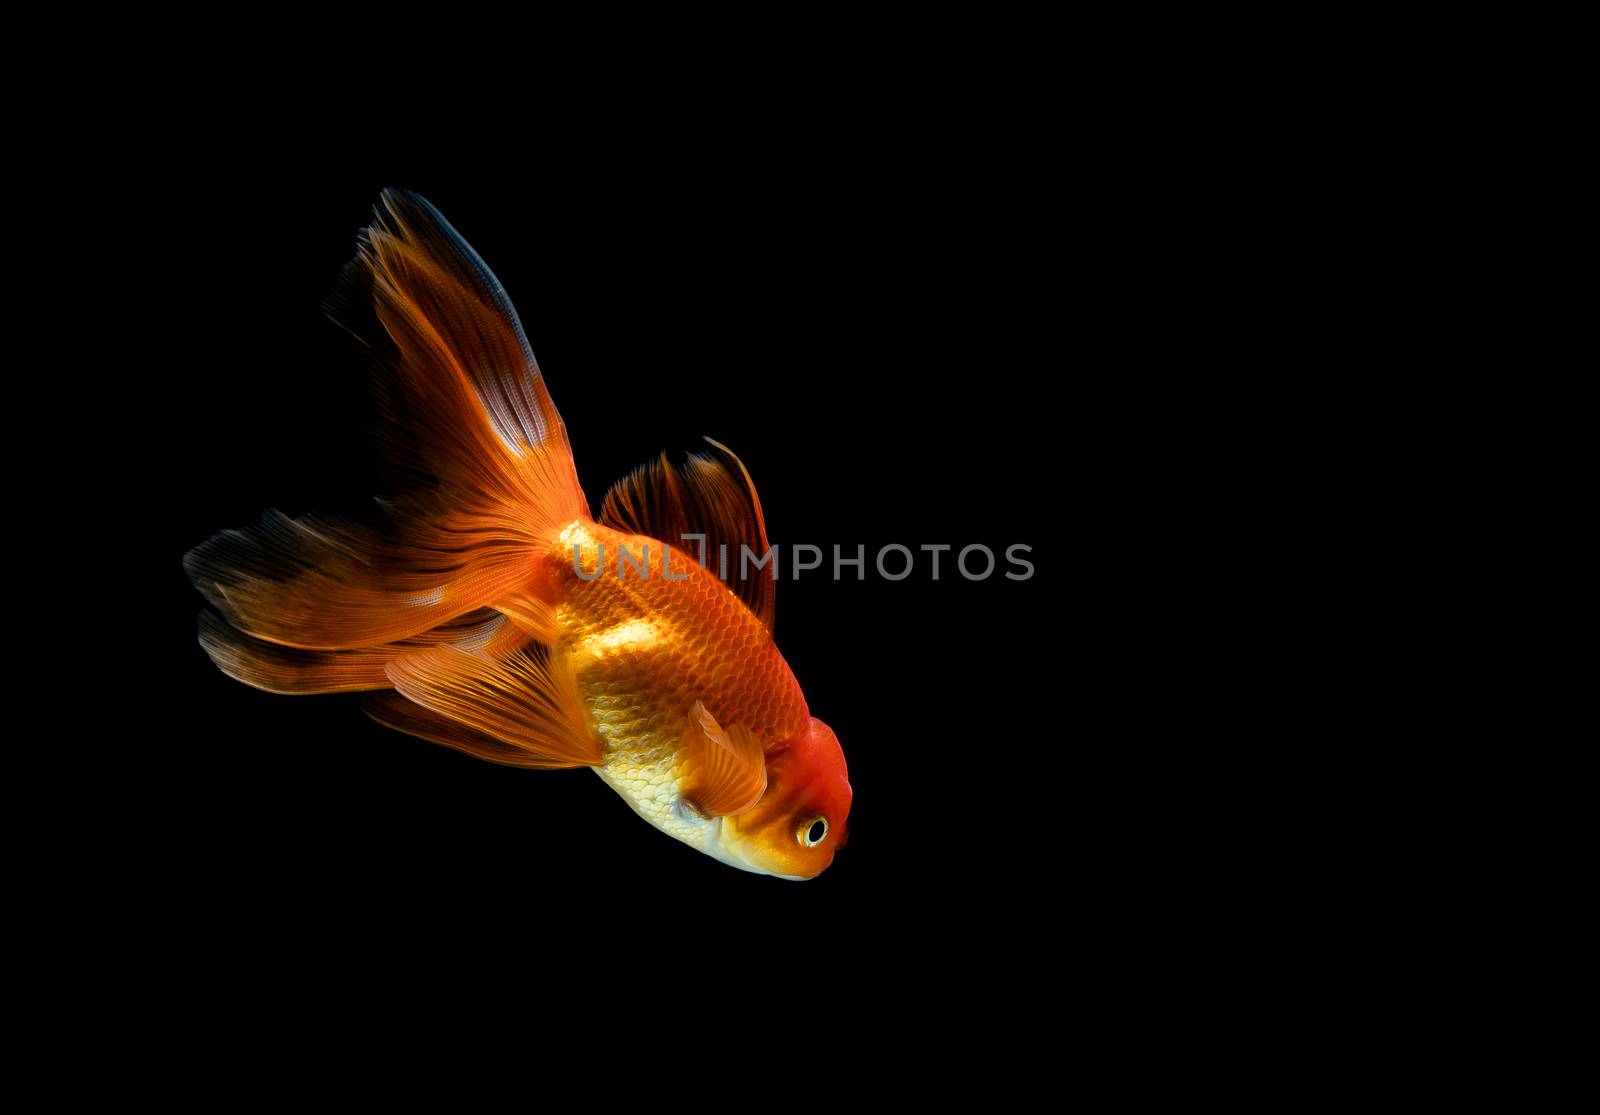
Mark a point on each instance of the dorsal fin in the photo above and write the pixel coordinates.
(712, 495)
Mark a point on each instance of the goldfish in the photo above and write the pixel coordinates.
(489, 611)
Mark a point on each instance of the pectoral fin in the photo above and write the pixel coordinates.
(727, 766)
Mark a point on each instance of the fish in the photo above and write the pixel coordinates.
(486, 609)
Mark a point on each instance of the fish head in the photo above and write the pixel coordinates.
(799, 823)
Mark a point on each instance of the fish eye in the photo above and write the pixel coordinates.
(812, 831)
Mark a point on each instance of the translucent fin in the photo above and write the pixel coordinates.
(727, 768)
(467, 410)
(530, 699)
(280, 669)
(711, 495)
(394, 711)
(532, 615)
(466, 391)
(322, 584)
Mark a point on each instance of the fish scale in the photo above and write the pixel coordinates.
(646, 649)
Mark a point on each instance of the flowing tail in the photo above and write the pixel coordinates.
(318, 604)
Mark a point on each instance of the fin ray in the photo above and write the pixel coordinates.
(467, 409)
(529, 700)
(711, 495)
(727, 766)
(289, 670)
(394, 711)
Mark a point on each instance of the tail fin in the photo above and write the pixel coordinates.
(280, 669)
(468, 416)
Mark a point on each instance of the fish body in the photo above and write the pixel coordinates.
(646, 649)
(491, 612)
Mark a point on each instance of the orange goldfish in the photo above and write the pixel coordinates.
(490, 612)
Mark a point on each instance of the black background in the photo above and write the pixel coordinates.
(1016, 298)
(903, 346)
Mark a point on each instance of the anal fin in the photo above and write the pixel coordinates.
(531, 614)
(529, 699)
(394, 711)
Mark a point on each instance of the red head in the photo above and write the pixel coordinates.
(799, 823)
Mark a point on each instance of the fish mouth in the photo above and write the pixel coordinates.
(730, 853)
